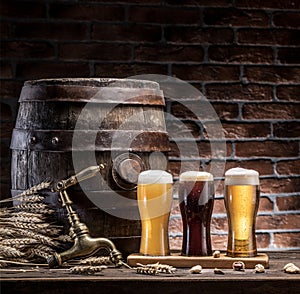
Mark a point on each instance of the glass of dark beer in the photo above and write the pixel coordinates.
(196, 196)
(241, 201)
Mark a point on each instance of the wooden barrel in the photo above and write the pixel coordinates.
(125, 120)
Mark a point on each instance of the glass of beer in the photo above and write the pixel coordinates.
(196, 196)
(241, 201)
(154, 194)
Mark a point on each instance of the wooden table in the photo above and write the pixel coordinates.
(123, 280)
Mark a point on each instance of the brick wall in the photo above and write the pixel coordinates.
(243, 56)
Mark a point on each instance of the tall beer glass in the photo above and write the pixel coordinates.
(154, 193)
(196, 196)
(241, 201)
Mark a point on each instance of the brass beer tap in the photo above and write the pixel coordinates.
(84, 244)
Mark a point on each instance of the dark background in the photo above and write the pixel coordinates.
(242, 55)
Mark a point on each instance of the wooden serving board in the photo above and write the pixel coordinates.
(177, 260)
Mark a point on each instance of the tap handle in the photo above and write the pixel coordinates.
(87, 173)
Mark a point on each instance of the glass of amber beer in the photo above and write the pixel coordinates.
(196, 196)
(154, 194)
(241, 201)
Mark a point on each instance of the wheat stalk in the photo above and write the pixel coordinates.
(18, 242)
(7, 251)
(22, 219)
(6, 231)
(35, 207)
(32, 198)
(157, 268)
(64, 239)
(28, 192)
(39, 237)
(96, 260)
(87, 270)
(28, 226)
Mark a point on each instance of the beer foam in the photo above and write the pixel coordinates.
(155, 177)
(241, 176)
(196, 176)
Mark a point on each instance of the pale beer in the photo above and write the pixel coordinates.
(241, 201)
(154, 193)
(196, 196)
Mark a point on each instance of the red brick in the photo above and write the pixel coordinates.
(198, 35)
(6, 71)
(179, 129)
(290, 93)
(268, 4)
(219, 225)
(262, 240)
(264, 111)
(288, 203)
(37, 70)
(122, 70)
(206, 72)
(4, 149)
(86, 51)
(286, 240)
(175, 243)
(166, 15)
(246, 130)
(168, 53)
(288, 167)
(176, 167)
(51, 30)
(175, 225)
(241, 54)
(286, 129)
(264, 167)
(268, 36)
(6, 130)
(10, 88)
(226, 111)
(198, 110)
(205, 3)
(219, 242)
(26, 50)
(235, 17)
(286, 19)
(86, 12)
(238, 92)
(5, 112)
(265, 204)
(196, 150)
(288, 55)
(4, 191)
(4, 29)
(267, 149)
(4, 170)
(274, 186)
(23, 9)
(219, 206)
(277, 222)
(126, 32)
(273, 74)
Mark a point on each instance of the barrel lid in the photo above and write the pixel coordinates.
(241, 176)
(95, 82)
(109, 91)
